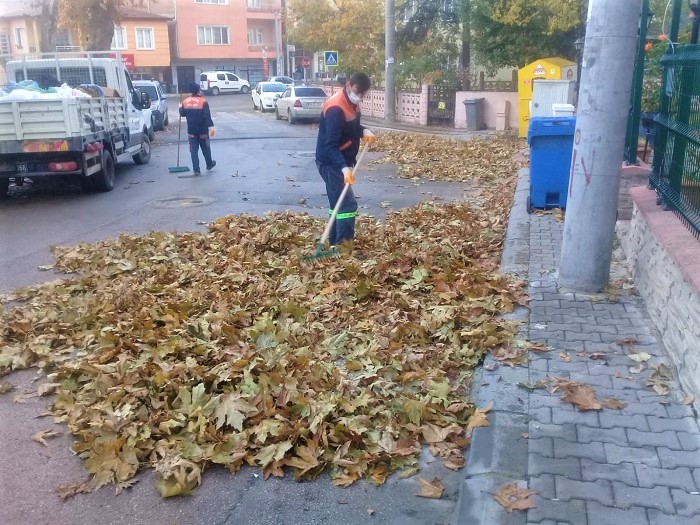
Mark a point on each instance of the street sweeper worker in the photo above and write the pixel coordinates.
(338, 143)
(195, 109)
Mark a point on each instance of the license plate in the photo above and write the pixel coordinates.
(22, 167)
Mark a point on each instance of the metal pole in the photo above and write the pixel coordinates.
(608, 64)
(390, 71)
(277, 44)
(637, 86)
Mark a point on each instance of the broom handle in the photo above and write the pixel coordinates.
(339, 203)
(179, 132)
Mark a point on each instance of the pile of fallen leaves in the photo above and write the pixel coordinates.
(437, 158)
(178, 351)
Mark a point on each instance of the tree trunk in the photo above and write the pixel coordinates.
(48, 22)
(101, 29)
(466, 55)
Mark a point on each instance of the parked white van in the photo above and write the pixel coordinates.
(216, 82)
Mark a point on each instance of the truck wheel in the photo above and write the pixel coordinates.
(103, 180)
(143, 156)
(4, 186)
(152, 131)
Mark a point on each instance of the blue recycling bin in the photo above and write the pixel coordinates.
(551, 141)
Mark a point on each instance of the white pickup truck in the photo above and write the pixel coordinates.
(72, 137)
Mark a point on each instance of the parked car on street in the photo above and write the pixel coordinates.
(287, 81)
(300, 102)
(159, 106)
(216, 82)
(264, 95)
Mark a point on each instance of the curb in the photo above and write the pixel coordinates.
(498, 453)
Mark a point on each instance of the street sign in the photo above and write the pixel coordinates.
(306, 62)
(330, 58)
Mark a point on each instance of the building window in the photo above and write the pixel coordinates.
(4, 44)
(222, 2)
(119, 38)
(144, 38)
(212, 35)
(254, 4)
(255, 37)
(18, 37)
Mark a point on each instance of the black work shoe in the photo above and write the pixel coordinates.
(197, 173)
(213, 163)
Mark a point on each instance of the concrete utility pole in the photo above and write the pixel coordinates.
(278, 39)
(390, 66)
(606, 81)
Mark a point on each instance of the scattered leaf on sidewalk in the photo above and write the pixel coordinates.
(638, 369)
(618, 375)
(511, 498)
(67, 490)
(370, 511)
(597, 356)
(479, 418)
(659, 379)
(689, 399)
(124, 485)
(640, 357)
(5, 387)
(510, 356)
(386, 204)
(45, 267)
(534, 346)
(50, 433)
(526, 435)
(613, 404)
(24, 397)
(558, 214)
(533, 385)
(47, 388)
(564, 356)
(430, 489)
(407, 473)
(627, 341)
(490, 368)
(581, 396)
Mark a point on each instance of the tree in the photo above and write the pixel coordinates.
(515, 32)
(93, 20)
(355, 28)
(48, 23)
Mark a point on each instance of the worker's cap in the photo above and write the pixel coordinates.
(194, 88)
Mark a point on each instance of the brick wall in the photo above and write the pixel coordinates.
(664, 258)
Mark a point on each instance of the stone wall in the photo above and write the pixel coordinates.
(665, 261)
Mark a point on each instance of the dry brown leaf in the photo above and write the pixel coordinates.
(627, 341)
(533, 346)
(490, 368)
(581, 396)
(564, 356)
(688, 399)
(40, 436)
(511, 498)
(430, 489)
(6, 387)
(479, 418)
(526, 435)
(597, 355)
(67, 490)
(613, 404)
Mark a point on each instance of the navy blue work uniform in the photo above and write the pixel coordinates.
(196, 110)
(339, 135)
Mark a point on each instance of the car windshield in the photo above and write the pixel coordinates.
(149, 90)
(273, 88)
(309, 92)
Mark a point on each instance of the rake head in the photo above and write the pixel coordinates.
(322, 253)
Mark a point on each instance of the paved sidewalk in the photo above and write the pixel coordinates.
(441, 131)
(639, 465)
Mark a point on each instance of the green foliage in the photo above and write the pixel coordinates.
(355, 28)
(516, 32)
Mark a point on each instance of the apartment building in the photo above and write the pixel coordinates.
(19, 33)
(233, 35)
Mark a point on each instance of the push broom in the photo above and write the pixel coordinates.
(178, 168)
(321, 252)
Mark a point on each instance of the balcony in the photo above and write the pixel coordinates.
(264, 6)
(257, 48)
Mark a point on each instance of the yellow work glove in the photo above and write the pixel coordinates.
(369, 137)
(349, 176)
(212, 132)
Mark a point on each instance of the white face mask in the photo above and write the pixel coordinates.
(354, 98)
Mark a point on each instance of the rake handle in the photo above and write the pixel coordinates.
(339, 203)
(179, 131)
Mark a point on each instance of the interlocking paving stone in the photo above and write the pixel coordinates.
(668, 439)
(569, 467)
(624, 472)
(680, 478)
(602, 515)
(676, 458)
(687, 504)
(655, 497)
(567, 489)
(617, 454)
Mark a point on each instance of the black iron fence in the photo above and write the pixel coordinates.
(676, 170)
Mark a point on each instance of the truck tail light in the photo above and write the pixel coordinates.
(63, 166)
(297, 103)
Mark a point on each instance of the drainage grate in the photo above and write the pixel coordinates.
(183, 202)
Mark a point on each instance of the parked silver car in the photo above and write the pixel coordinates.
(159, 106)
(300, 102)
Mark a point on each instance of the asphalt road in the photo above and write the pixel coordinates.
(263, 165)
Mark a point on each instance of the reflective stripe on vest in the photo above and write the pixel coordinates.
(348, 215)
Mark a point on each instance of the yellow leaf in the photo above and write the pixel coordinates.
(40, 436)
(430, 489)
(479, 418)
(511, 498)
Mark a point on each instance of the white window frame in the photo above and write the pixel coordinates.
(212, 2)
(203, 42)
(153, 38)
(122, 30)
(257, 36)
(254, 4)
(19, 43)
(5, 46)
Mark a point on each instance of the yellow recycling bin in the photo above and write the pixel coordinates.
(547, 68)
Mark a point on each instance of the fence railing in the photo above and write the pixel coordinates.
(676, 170)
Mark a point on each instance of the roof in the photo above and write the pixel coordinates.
(28, 12)
(135, 14)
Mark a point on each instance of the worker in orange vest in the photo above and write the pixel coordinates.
(339, 134)
(195, 109)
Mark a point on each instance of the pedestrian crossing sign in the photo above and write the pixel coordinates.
(330, 58)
